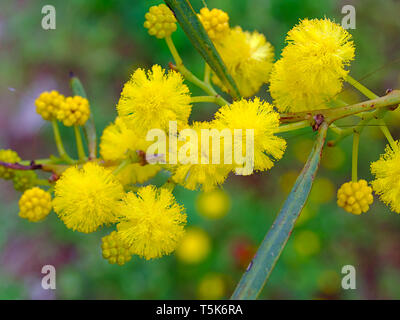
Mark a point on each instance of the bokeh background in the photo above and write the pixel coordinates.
(102, 42)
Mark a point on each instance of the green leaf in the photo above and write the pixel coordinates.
(260, 268)
(89, 128)
(191, 25)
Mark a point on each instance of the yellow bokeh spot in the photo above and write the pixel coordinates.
(194, 246)
(214, 204)
(211, 287)
(323, 191)
(307, 243)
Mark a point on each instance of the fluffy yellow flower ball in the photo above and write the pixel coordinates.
(194, 246)
(35, 204)
(114, 250)
(312, 66)
(211, 287)
(86, 198)
(160, 21)
(150, 100)
(259, 116)
(248, 58)
(215, 22)
(74, 111)
(204, 174)
(387, 175)
(151, 222)
(9, 156)
(214, 204)
(48, 104)
(355, 197)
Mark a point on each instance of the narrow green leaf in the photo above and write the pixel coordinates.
(89, 128)
(191, 25)
(260, 268)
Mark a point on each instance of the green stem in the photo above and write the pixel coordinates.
(387, 134)
(42, 182)
(356, 142)
(203, 99)
(293, 126)
(363, 89)
(259, 270)
(60, 146)
(190, 76)
(207, 73)
(122, 166)
(79, 144)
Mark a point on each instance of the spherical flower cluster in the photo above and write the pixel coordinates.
(24, 180)
(248, 58)
(9, 156)
(150, 100)
(114, 250)
(74, 111)
(312, 66)
(35, 204)
(355, 197)
(151, 222)
(204, 174)
(48, 104)
(160, 21)
(215, 22)
(214, 204)
(194, 246)
(263, 120)
(387, 175)
(86, 198)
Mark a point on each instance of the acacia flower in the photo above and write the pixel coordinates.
(48, 104)
(151, 222)
(387, 175)
(74, 111)
(215, 22)
(312, 66)
(201, 172)
(150, 100)
(86, 198)
(355, 197)
(9, 156)
(259, 116)
(34, 204)
(160, 21)
(248, 58)
(114, 250)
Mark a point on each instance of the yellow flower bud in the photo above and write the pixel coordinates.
(48, 104)
(9, 156)
(74, 111)
(35, 204)
(160, 21)
(215, 21)
(355, 197)
(114, 250)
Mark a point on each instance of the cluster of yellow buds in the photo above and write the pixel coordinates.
(8, 156)
(160, 21)
(355, 197)
(48, 104)
(74, 111)
(35, 204)
(114, 250)
(24, 180)
(215, 22)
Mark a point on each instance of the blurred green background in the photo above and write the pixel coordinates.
(102, 42)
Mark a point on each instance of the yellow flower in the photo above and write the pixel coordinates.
(35, 204)
(215, 22)
(86, 198)
(387, 175)
(355, 197)
(74, 111)
(248, 58)
(9, 156)
(114, 250)
(151, 222)
(204, 174)
(258, 116)
(48, 104)
(150, 101)
(160, 21)
(312, 66)
(117, 142)
(214, 204)
(194, 246)
(211, 287)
